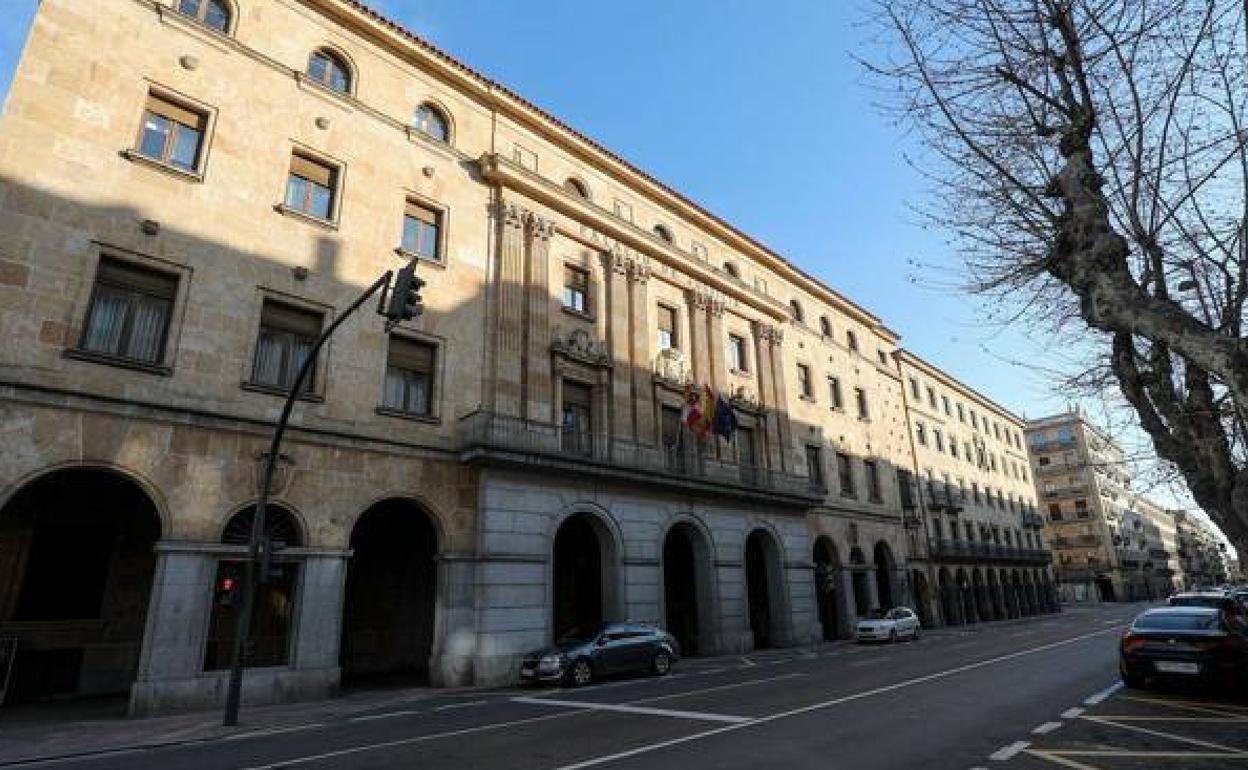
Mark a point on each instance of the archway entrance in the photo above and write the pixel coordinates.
(980, 592)
(827, 587)
(579, 572)
(76, 566)
(861, 583)
(1105, 588)
(884, 575)
(685, 600)
(950, 605)
(388, 616)
(762, 577)
(922, 598)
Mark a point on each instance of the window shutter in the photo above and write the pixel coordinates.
(290, 319)
(411, 355)
(118, 273)
(422, 213)
(313, 171)
(576, 394)
(175, 112)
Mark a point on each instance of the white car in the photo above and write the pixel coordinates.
(897, 623)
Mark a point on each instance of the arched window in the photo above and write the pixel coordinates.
(795, 310)
(663, 232)
(211, 13)
(825, 326)
(576, 187)
(432, 122)
(731, 269)
(329, 69)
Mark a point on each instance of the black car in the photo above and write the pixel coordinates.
(1216, 599)
(1192, 644)
(584, 654)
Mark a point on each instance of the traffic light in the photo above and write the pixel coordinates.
(229, 589)
(405, 302)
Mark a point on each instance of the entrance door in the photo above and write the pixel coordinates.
(577, 574)
(680, 588)
(758, 589)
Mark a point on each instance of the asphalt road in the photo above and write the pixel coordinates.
(951, 700)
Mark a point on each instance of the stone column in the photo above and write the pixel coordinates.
(537, 372)
(699, 328)
(873, 590)
(318, 632)
(642, 359)
(732, 608)
(851, 600)
(781, 411)
(455, 636)
(641, 602)
(173, 638)
(766, 392)
(509, 334)
(716, 342)
(619, 334)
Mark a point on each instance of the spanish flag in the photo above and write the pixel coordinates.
(699, 411)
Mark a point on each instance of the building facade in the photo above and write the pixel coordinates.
(1202, 554)
(191, 191)
(1110, 542)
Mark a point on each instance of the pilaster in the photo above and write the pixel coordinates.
(641, 365)
(509, 334)
(619, 336)
(537, 374)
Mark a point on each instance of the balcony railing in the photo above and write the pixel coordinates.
(1033, 521)
(1053, 444)
(962, 550)
(943, 497)
(529, 439)
(1068, 490)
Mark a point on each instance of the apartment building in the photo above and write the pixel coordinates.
(192, 191)
(1202, 554)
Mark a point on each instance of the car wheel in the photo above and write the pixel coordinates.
(892, 636)
(662, 664)
(581, 674)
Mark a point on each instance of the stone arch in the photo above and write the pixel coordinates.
(390, 602)
(687, 568)
(586, 573)
(236, 516)
(767, 610)
(886, 587)
(79, 552)
(830, 598)
(860, 582)
(139, 479)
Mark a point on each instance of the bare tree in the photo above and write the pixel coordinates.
(1090, 158)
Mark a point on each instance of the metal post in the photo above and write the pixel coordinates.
(258, 545)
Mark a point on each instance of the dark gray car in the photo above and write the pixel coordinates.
(604, 649)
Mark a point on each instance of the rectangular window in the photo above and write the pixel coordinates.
(914, 388)
(287, 335)
(845, 474)
(409, 376)
(920, 433)
(667, 327)
(669, 424)
(745, 448)
(1081, 508)
(873, 481)
(172, 134)
(944, 402)
(576, 289)
(938, 439)
(851, 340)
(311, 187)
(803, 381)
(860, 397)
(883, 357)
(130, 311)
(577, 418)
(737, 361)
(422, 231)
(953, 448)
(931, 397)
(814, 466)
(623, 210)
(834, 393)
(525, 157)
(961, 414)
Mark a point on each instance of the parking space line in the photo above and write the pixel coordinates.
(1160, 734)
(1058, 759)
(1184, 705)
(643, 710)
(1007, 752)
(1047, 728)
(1096, 698)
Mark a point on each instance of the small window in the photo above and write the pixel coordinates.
(576, 289)
(329, 70)
(577, 418)
(422, 231)
(698, 250)
(825, 326)
(914, 388)
(961, 414)
(172, 134)
(834, 393)
(214, 14)
(130, 312)
(409, 376)
(667, 328)
(944, 403)
(287, 335)
(664, 233)
(525, 157)
(731, 269)
(432, 122)
(883, 357)
(576, 187)
(845, 474)
(814, 465)
(795, 311)
(953, 447)
(623, 210)
(311, 187)
(804, 386)
(851, 340)
(938, 439)
(860, 397)
(931, 397)
(920, 433)
(737, 360)
(873, 481)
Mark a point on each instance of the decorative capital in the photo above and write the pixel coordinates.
(540, 227)
(772, 334)
(705, 299)
(511, 214)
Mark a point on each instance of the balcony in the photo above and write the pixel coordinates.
(1033, 521)
(943, 497)
(964, 551)
(1069, 490)
(487, 438)
(1052, 444)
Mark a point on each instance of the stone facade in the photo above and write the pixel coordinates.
(570, 303)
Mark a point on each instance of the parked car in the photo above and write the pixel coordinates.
(897, 623)
(1185, 643)
(1216, 599)
(591, 652)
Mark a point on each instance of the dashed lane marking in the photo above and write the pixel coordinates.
(643, 710)
(1072, 713)
(1047, 728)
(1007, 752)
(388, 715)
(1096, 698)
(469, 704)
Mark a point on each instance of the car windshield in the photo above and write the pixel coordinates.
(1177, 622)
(583, 633)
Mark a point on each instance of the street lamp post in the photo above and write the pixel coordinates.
(402, 306)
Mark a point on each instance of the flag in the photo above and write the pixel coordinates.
(706, 410)
(691, 414)
(725, 422)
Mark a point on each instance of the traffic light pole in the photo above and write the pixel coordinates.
(258, 545)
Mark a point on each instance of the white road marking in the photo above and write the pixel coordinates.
(592, 706)
(1047, 728)
(450, 706)
(1072, 713)
(710, 671)
(1008, 752)
(1096, 698)
(658, 746)
(748, 663)
(703, 690)
(273, 731)
(386, 715)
